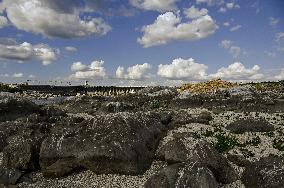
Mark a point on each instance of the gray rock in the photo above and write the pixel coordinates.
(238, 159)
(187, 147)
(268, 172)
(9, 176)
(250, 125)
(114, 107)
(191, 175)
(122, 143)
(22, 152)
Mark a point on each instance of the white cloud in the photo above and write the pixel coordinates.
(17, 75)
(93, 71)
(273, 21)
(51, 19)
(210, 2)
(183, 69)
(3, 21)
(78, 66)
(235, 28)
(227, 24)
(10, 50)
(169, 27)
(136, 72)
(229, 6)
(280, 76)
(193, 13)
(237, 71)
(279, 36)
(226, 44)
(235, 51)
(158, 5)
(70, 49)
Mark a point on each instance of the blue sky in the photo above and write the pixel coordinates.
(141, 42)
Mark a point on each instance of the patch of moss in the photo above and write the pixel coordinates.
(270, 134)
(254, 141)
(156, 104)
(225, 143)
(278, 144)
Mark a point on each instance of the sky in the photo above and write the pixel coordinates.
(140, 42)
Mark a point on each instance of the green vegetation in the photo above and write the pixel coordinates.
(254, 141)
(6, 88)
(270, 134)
(156, 104)
(225, 143)
(278, 144)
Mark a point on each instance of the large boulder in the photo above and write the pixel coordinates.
(186, 175)
(267, 172)
(122, 143)
(250, 125)
(9, 176)
(181, 146)
(22, 151)
(12, 108)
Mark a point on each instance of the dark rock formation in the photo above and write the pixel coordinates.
(186, 175)
(9, 176)
(268, 172)
(115, 143)
(187, 147)
(250, 125)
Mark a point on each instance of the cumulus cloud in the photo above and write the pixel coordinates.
(11, 50)
(235, 51)
(93, 71)
(169, 27)
(136, 72)
(3, 21)
(78, 66)
(237, 71)
(53, 18)
(70, 49)
(280, 76)
(194, 13)
(183, 69)
(157, 5)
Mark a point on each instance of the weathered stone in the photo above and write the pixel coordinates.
(238, 159)
(185, 146)
(113, 143)
(9, 176)
(267, 172)
(186, 175)
(22, 152)
(250, 125)
(114, 107)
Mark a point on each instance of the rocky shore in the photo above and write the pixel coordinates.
(157, 137)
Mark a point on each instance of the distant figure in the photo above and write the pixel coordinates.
(86, 83)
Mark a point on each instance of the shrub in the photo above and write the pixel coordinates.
(156, 104)
(254, 141)
(225, 143)
(278, 144)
